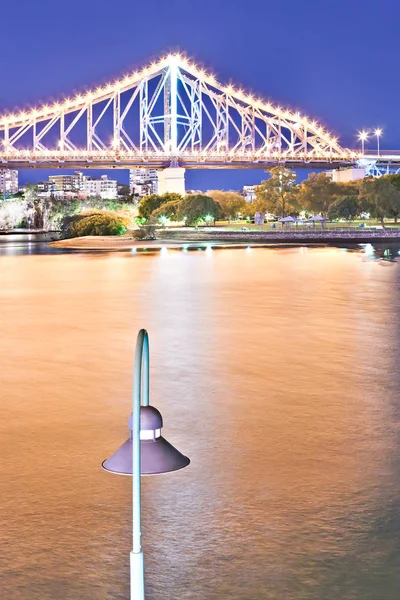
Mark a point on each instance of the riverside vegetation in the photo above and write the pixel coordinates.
(276, 197)
(279, 196)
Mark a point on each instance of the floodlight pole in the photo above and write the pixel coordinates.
(141, 379)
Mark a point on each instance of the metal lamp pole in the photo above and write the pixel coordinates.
(145, 452)
(141, 379)
(4, 184)
(363, 136)
(378, 133)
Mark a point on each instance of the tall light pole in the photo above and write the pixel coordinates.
(3, 176)
(363, 136)
(378, 133)
(145, 452)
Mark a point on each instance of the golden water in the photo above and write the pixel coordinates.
(277, 373)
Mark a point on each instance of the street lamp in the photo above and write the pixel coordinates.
(363, 136)
(378, 133)
(145, 452)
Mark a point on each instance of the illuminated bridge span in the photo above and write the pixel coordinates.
(171, 115)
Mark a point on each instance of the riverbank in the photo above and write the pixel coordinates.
(176, 237)
(309, 236)
(123, 243)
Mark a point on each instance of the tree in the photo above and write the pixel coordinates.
(124, 190)
(13, 214)
(248, 209)
(261, 205)
(380, 197)
(195, 208)
(394, 210)
(150, 203)
(346, 207)
(232, 203)
(61, 208)
(348, 188)
(131, 198)
(38, 208)
(96, 222)
(317, 193)
(169, 209)
(278, 193)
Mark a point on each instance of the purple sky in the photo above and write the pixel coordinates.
(335, 61)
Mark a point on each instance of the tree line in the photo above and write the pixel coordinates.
(280, 196)
(32, 210)
(319, 194)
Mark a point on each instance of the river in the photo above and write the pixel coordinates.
(277, 373)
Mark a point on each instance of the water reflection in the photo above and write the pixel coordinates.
(277, 373)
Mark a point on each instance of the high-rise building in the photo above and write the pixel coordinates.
(8, 181)
(143, 181)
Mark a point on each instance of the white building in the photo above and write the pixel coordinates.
(79, 184)
(143, 181)
(64, 183)
(106, 188)
(8, 181)
(345, 175)
(249, 193)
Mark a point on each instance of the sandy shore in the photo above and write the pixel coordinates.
(228, 238)
(93, 242)
(115, 244)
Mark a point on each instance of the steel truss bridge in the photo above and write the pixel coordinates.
(170, 114)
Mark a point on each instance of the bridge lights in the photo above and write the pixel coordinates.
(363, 136)
(378, 133)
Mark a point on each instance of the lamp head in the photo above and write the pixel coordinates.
(157, 455)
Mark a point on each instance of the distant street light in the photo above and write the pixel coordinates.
(145, 452)
(378, 133)
(363, 136)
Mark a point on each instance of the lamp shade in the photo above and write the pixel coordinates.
(156, 454)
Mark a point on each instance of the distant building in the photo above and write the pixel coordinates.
(8, 181)
(249, 193)
(142, 189)
(143, 182)
(66, 183)
(345, 175)
(103, 187)
(79, 184)
(46, 187)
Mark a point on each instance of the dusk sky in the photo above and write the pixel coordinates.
(334, 61)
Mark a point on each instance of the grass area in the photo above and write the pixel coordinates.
(235, 225)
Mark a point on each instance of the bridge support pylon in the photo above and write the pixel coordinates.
(171, 179)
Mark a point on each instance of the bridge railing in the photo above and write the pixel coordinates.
(381, 154)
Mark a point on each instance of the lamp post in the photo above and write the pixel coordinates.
(3, 173)
(378, 133)
(145, 452)
(363, 136)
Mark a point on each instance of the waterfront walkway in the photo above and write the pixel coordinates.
(191, 238)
